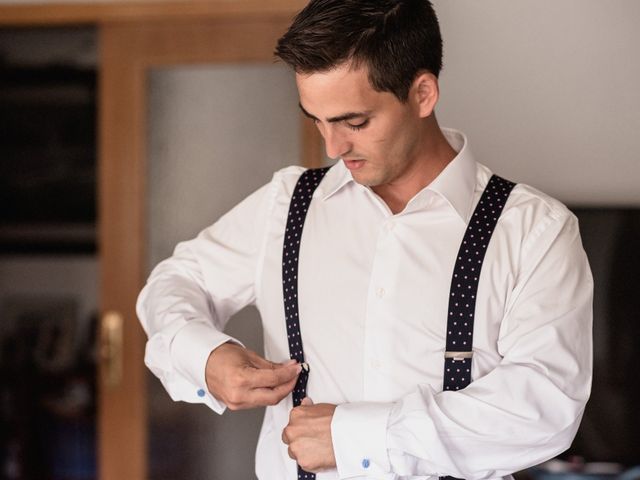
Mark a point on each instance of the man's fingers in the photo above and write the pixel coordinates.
(261, 362)
(271, 396)
(272, 377)
(259, 397)
(243, 379)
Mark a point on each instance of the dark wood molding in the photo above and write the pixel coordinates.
(78, 13)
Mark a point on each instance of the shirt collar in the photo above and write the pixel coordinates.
(456, 183)
(336, 178)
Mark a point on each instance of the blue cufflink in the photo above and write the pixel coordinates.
(365, 463)
(201, 393)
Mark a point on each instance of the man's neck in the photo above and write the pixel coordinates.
(437, 154)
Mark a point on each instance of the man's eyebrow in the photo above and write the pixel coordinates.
(339, 118)
(306, 114)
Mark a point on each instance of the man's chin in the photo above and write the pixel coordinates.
(365, 180)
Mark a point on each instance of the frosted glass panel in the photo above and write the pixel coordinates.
(216, 134)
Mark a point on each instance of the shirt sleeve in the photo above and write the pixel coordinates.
(190, 296)
(521, 413)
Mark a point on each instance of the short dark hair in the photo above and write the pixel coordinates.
(395, 39)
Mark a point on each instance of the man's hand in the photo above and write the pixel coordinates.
(308, 436)
(243, 379)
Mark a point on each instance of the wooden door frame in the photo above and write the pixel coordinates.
(128, 50)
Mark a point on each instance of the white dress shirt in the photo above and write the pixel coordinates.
(373, 297)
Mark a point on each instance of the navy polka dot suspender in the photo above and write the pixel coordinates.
(298, 207)
(464, 284)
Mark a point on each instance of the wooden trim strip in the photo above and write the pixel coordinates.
(79, 13)
(122, 417)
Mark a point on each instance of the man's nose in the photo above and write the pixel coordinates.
(336, 144)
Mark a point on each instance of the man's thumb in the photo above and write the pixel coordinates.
(306, 401)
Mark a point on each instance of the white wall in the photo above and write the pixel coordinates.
(548, 92)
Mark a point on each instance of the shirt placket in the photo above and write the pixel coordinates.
(379, 313)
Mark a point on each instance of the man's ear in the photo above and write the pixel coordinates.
(425, 92)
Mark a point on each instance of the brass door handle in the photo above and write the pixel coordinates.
(111, 348)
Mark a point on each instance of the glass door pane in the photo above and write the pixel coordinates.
(216, 134)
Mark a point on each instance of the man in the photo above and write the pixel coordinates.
(380, 272)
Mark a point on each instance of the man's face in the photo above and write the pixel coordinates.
(376, 135)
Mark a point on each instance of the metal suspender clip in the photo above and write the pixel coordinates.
(457, 356)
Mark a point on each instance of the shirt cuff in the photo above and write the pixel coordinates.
(359, 435)
(190, 351)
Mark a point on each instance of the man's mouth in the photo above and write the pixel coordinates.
(353, 164)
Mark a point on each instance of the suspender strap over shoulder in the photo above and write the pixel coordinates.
(464, 284)
(300, 201)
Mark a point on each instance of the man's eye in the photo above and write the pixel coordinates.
(358, 126)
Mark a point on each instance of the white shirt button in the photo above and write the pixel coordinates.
(380, 292)
(389, 226)
(375, 363)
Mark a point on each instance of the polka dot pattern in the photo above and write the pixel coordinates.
(300, 201)
(464, 284)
